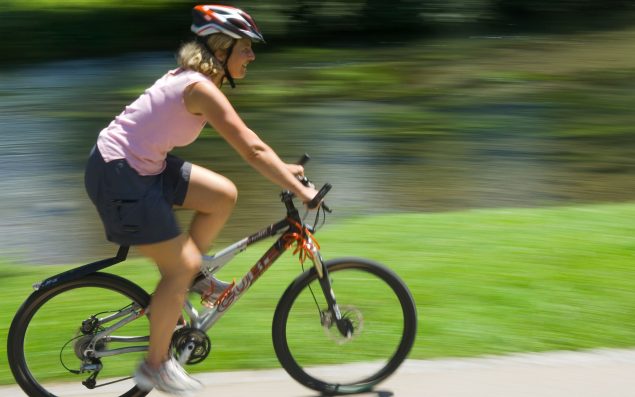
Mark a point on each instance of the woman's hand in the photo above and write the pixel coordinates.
(296, 170)
(309, 192)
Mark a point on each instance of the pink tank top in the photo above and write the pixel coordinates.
(153, 124)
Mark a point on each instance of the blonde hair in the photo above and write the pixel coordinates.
(195, 56)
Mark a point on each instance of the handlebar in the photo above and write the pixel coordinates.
(304, 159)
(315, 202)
(319, 197)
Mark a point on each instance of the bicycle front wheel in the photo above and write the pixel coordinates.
(380, 316)
(51, 338)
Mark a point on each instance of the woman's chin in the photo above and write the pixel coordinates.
(241, 73)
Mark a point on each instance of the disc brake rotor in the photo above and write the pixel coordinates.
(354, 320)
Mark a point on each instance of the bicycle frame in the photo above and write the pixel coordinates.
(212, 264)
(291, 227)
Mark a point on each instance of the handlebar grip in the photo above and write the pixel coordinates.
(304, 159)
(320, 196)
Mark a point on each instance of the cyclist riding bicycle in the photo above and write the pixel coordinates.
(134, 182)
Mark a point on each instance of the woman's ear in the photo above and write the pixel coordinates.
(220, 55)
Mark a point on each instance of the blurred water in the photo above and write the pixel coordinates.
(50, 116)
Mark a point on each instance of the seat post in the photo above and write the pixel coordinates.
(122, 253)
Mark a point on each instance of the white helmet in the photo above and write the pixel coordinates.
(232, 21)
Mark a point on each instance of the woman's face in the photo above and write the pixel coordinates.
(241, 56)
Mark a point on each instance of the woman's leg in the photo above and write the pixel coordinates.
(178, 260)
(213, 197)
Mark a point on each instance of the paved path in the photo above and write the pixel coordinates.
(598, 373)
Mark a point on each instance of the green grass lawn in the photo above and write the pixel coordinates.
(485, 282)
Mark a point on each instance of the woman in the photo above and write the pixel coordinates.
(134, 182)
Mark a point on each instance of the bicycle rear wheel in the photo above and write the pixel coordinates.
(380, 313)
(46, 343)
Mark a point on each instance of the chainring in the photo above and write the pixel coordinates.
(184, 336)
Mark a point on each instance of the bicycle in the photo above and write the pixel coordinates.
(95, 323)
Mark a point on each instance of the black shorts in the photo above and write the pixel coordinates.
(136, 209)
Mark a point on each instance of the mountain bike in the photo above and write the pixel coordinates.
(341, 327)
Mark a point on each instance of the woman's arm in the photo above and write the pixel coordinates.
(206, 99)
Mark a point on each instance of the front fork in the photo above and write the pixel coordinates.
(343, 325)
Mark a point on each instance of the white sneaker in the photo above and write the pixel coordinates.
(210, 290)
(170, 378)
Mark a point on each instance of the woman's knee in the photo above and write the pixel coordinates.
(210, 192)
(230, 192)
(224, 190)
(190, 258)
(222, 201)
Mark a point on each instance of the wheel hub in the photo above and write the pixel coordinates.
(350, 327)
(81, 345)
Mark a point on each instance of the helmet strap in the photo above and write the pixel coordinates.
(228, 76)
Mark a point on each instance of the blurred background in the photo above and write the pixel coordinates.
(483, 149)
(405, 106)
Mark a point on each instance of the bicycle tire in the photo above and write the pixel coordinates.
(310, 359)
(44, 312)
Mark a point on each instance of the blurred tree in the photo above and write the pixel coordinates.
(306, 18)
(540, 13)
(53, 29)
(398, 15)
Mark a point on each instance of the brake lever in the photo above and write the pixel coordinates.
(305, 181)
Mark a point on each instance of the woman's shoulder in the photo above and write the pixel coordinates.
(188, 74)
(178, 80)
